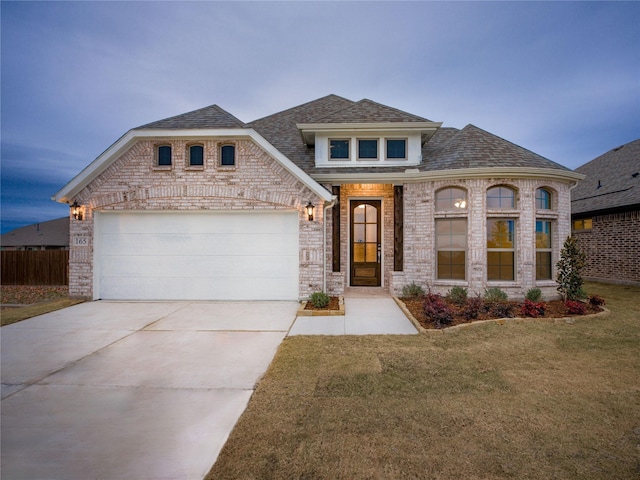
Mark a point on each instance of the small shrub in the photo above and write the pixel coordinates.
(457, 295)
(534, 295)
(319, 299)
(574, 307)
(502, 309)
(596, 301)
(412, 291)
(437, 310)
(532, 309)
(494, 294)
(473, 308)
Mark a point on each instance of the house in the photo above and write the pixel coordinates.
(326, 195)
(49, 235)
(605, 214)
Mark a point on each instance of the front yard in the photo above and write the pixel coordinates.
(526, 400)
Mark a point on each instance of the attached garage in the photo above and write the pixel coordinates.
(186, 255)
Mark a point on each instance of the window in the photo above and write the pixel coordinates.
(196, 155)
(543, 250)
(501, 249)
(228, 155)
(501, 198)
(164, 155)
(451, 199)
(543, 199)
(583, 224)
(339, 149)
(368, 149)
(451, 245)
(396, 149)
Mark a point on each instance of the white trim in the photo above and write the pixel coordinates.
(109, 156)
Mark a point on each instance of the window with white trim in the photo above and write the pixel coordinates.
(196, 155)
(451, 247)
(544, 270)
(501, 249)
(163, 155)
(339, 149)
(228, 155)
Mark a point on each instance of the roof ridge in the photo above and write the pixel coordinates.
(295, 107)
(191, 113)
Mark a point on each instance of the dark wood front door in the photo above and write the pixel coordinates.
(365, 243)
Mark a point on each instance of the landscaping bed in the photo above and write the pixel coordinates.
(552, 309)
(334, 304)
(30, 294)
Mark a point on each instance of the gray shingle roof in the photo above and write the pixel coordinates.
(208, 117)
(368, 111)
(52, 233)
(610, 181)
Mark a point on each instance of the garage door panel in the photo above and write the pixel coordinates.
(182, 255)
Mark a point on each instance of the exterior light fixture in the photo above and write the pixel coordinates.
(76, 211)
(309, 208)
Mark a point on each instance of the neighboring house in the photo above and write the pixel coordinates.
(49, 235)
(323, 196)
(605, 212)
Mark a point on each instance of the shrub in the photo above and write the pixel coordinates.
(574, 307)
(494, 294)
(572, 261)
(534, 295)
(596, 301)
(532, 309)
(502, 309)
(437, 310)
(412, 291)
(457, 295)
(473, 308)
(319, 299)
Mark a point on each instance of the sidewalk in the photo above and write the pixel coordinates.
(367, 312)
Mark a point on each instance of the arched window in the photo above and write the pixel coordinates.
(196, 155)
(501, 198)
(163, 155)
(228, 155)
(543, 199)
(451, 198)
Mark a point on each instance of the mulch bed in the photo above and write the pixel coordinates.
(334, 304)
(553, 309)
(30, 294)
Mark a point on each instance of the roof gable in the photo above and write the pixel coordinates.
(610, 182)
(208, 117)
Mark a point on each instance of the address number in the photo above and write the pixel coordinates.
(80, 241)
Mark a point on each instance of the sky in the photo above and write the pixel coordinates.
(559, 78)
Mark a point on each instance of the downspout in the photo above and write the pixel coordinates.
(327, 206)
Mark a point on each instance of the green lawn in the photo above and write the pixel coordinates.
(527, 400)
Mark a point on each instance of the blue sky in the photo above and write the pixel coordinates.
(559, 78)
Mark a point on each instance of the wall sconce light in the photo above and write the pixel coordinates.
(309, 208)
(76, 211)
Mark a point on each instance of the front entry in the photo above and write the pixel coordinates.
(365, 243)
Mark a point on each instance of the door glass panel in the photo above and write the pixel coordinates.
(372, 232)
(371, 214)
(358, 214)
(358, 252)
(358, 233)
(372, 252)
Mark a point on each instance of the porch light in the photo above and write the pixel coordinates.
(309, 208)
(76, 211)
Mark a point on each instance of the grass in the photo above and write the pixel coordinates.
(529, 400)
(14, 315)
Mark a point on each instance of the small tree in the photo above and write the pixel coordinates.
(572, 261)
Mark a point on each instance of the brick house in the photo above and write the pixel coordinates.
(605, 213)
(322, 196)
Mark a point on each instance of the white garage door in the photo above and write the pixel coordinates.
(196, 256)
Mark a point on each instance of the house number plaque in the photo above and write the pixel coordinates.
(80, 241)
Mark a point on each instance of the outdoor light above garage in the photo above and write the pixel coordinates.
(76, 211)
(310, 206)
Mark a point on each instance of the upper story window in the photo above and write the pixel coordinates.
(339, 149)
(543, 199)
(228, 155)
(196, 155)
(451, 199)
(501, 198)
(368, 149)
(583, 224)
(397, 149)
(164, 155)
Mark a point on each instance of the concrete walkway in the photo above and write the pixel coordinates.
(147, 390)
(367, 312)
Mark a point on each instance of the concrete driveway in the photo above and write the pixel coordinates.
(128, 390)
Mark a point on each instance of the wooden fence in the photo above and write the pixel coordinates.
(38, 267)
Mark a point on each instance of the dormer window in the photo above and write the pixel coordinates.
(397, 149)
(368, 149)
(339, 149)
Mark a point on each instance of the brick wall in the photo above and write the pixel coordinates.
(612, 248)
(257, 182)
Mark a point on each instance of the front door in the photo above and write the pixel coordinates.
(365, 243)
